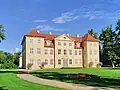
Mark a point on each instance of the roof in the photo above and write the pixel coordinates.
(88, 37)
(35, 33)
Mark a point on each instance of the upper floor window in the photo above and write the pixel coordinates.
(51, 61)
(51, 51)
(38, 40)
(75, 52)
(95, 44)
(70, 52)
(46, 51)
(65, 52)
(31, 50)
(90, 44)
(39, 61)
(59, 43)
(95, 52)
(70, 61)
(64, 44)
(31, 40)
(38, 51)
(79, 52)
(90, 52)
(59, 51)
(46, 61)
(70, 44)
(59, 61)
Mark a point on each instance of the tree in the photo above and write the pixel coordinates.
(117, 38)
(16, 58)
(2, 35)
(108, 50)
(93, 33)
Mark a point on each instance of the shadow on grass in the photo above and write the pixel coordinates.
(3, 88)
(15, 72)
(86, 79)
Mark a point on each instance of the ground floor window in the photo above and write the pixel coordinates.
(39, 61)
(59, 61)
(31, 61)
(51, 61)
(46, 61)
(70, 61)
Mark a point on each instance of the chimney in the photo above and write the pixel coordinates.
(50, 33)
(38, 31)
(77, 35)
(67, 34)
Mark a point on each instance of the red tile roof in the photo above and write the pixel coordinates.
(35, 33)
(88, 37)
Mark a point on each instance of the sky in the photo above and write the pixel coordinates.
(56, 16)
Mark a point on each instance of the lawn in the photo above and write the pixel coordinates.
(93, 77)
(9, 81)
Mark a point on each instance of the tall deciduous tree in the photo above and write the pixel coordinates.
(107, 40)
(2, 34)
(93, 33)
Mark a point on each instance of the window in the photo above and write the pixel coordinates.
(48, 43)
(70, 52)
(79, 52)
(95, 44)
(64, 37)
(90, 44)
(39, 41)
(76, 61)
(46, 51)
(75, 52)
(38, 51)
(51, 61)
(31, 50)
(90, 60)
(59, 51)
(51, 51)
(31, 61)
(59, 43)
(95, 52)
(39, 61)
(65, 52)
(31, 40)
(59, 61)
(70, 61)
(64, 44)
(70, 44)
(46, 61)
(90, 52)
(78, 44)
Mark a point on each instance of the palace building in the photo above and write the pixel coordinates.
(58, 51)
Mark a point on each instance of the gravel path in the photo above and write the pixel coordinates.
(68, 86)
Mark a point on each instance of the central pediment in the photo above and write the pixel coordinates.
(64, 37)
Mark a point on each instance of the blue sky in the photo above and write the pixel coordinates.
(57, 16)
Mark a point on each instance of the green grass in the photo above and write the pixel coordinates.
(96, 77)
(9, 81)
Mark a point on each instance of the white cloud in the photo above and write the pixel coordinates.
(39, 20)
(87, 12)
(47, 28)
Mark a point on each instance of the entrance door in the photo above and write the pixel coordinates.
(65, 62)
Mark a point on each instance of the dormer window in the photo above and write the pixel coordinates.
(48, 43)
(78, 44)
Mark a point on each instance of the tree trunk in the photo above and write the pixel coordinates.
(113, 65)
